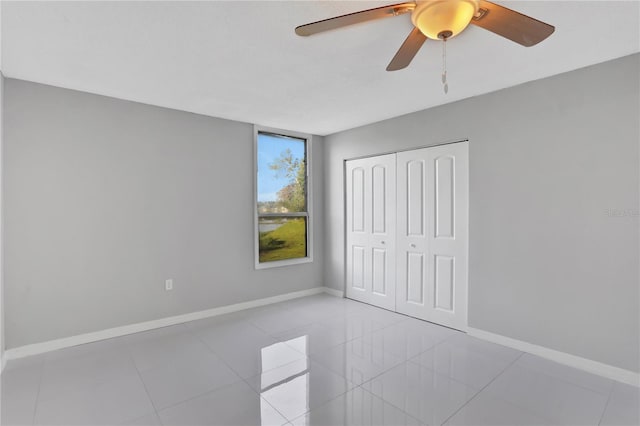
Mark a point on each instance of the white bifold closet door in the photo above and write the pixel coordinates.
(371, 225)
(432, 234)
(409, 254)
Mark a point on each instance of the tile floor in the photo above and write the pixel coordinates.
(318, 360)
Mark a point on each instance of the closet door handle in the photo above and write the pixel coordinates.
(382, 242)
(413, 246)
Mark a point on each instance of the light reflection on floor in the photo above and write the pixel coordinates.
(289, 385)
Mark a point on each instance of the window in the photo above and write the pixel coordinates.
(282, 199)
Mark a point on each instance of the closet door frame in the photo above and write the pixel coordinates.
(462, 327)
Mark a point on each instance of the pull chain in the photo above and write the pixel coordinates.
(444, 66)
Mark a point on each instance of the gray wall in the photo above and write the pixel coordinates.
(1, 206)
(547, 264)
(1, 228)
(105, 199)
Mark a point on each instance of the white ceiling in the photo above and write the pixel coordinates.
(241, 60)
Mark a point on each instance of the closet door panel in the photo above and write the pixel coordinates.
(447, 232)
(415, 278)
(412, 292)
(357, 270)
(357, 236)
(371, 225)
(432, 234)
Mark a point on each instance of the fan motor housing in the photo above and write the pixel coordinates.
(443, 19)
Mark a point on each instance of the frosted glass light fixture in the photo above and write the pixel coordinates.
(443, 19)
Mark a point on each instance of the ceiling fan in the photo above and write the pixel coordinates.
(441, 20)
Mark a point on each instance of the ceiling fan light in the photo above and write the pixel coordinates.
(436, 17)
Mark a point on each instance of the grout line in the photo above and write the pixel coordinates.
(564, 380)
(210, 349)
(184, 329)
(483, 388)
(348, 389)
(144, 385)
(309, 409)
(391, 403)
(606, 405)
(551, 375)
(236, 372)
(402, 410)
(267, 402)
(195, 334)
(434, 373)
(35, 405)
(590, 366)
(201, 395)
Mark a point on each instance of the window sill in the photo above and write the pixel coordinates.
(288, 262)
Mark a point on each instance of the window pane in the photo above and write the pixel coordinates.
(282, 238)
(282, 185)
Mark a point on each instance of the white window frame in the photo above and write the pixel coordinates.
(308, 170)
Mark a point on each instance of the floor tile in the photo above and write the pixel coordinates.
(623, 407)
(154, 334)
(176, 349)
(108, 403)
(330, 311)
(435, 331)
(356, 361)
(178, 381)
(150, 419)
(422, 393)
(572, 375)
(19, 385)
(382, 316)
(314, 302)
(234, 334)
(323, 307)
(263, 310)
(407, 340)
(549, 397)
(462, 363)
(76, 373)
(348, 307)
(482, 347)
(485, 410)
(312, 338)
(297, 387)
(357, 408)
(318, 313)
(281, 321)
(361, 323)
(236, 404)
(249, 359)
(205, 323)
(114, 345)
(317, 360)
(35, 361)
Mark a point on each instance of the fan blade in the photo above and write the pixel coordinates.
(407, 51)
(354, 18)
(510, 24)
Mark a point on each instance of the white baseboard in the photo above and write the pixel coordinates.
(595, 367)
(66, 342)
(333, 292)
